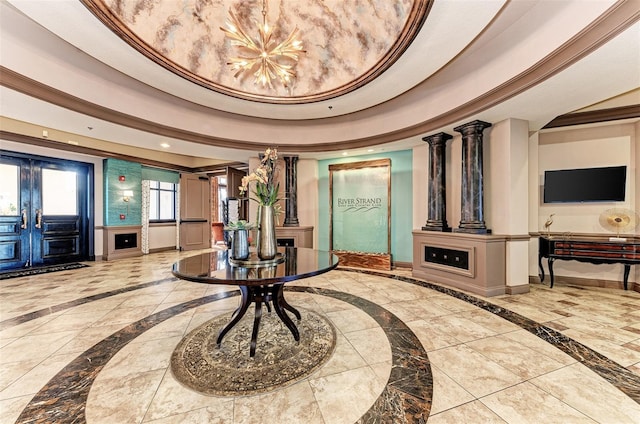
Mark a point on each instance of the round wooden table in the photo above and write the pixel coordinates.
(259, 281)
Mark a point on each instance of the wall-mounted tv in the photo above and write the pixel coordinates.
(585, 185)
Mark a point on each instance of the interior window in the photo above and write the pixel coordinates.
(162, 202)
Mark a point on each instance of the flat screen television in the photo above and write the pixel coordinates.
(585, 185)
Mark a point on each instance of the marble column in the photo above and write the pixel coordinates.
(291, 191)
(437, 207)
(472, 201)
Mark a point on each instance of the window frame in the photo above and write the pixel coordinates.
(159, 203)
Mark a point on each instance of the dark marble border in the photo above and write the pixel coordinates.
(7, 323)
(406, 397)
(5, 275)
(617, 375)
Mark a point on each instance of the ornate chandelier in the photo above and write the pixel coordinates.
(263, 55)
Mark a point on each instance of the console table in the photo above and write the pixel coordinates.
(595, 251)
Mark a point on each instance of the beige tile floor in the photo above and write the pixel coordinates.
(485, 369)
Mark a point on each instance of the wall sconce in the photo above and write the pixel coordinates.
(126, 196)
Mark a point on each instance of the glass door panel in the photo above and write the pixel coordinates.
(59, 192)
(10, 189)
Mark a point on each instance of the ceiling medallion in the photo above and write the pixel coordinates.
(263, 56)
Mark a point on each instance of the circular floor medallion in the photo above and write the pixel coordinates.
(279, 360)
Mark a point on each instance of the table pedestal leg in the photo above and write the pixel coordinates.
(279, 304)
(237, 315)
(259, 295)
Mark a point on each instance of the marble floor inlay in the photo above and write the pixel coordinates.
(94, 345)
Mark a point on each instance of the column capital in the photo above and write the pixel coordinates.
(472, 127)
(438, 138)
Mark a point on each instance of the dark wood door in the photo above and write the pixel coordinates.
(44, 212)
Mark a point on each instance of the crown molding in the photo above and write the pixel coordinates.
(595, 116)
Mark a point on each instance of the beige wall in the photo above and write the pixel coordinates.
(514, 165)
(162, 237)
(607, 145)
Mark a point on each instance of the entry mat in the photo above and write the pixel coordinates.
(40, 270)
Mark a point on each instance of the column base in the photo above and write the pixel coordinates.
(439, 228)
(472, 230)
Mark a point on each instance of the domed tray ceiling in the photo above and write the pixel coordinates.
(346, 43)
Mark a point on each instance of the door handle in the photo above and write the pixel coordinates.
(38, 218)
(23, 219)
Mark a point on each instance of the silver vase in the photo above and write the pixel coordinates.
(266, 242)
(239, 244)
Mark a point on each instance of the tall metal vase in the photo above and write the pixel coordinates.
(266, 243)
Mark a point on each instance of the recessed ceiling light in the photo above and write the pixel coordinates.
(370, 150)
(165, 145)
(344, 153)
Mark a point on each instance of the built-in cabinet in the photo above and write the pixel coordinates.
(301, 236)
(122, 242)
(471, 262)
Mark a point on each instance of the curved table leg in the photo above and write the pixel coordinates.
(278, 304)
(256, 327)
(287, 306)
(627, 268)
(541, 268)
(550, 263)
(237, 315)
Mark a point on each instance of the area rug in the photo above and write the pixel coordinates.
(41, 270)
(279, 360)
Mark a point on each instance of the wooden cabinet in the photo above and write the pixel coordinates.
(295, 236)
(122, 242)
(589, 250)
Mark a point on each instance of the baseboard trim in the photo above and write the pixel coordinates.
(520, 289)
(586, 282)
(162, 249)
(397, 264)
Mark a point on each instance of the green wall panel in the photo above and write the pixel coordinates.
(162, 175)
(401, 201)
(114, 206)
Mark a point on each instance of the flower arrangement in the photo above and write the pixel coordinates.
(266, 189)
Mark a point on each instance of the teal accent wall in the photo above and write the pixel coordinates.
(162, 175)
(113, 192)
(401, 201)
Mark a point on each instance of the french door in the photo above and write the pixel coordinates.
(45, 207)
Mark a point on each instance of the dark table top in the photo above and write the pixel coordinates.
(215, 268)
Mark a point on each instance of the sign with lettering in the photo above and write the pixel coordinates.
(360, 206)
